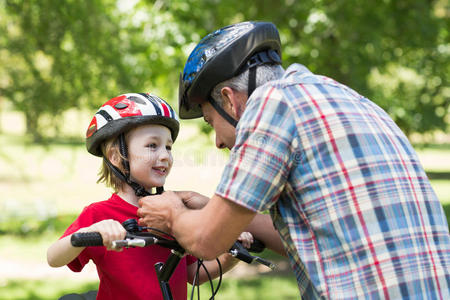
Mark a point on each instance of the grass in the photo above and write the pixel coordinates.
(13, 289)
(261, 288)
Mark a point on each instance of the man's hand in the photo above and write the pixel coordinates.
(159, 211)
(193, 200)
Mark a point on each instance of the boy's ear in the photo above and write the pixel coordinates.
(114, 158)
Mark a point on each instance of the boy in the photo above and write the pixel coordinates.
(134, 134)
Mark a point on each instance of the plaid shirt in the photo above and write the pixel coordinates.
(345, 189)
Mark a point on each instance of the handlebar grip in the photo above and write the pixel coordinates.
(238, 251)
(257, 246)
(86, 239)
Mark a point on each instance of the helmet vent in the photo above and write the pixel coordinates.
(136, 99)
(120, 105)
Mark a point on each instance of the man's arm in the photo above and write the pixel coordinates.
(261, 226)
(206, 232)
(262, 229)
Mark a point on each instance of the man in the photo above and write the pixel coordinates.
(346, 191)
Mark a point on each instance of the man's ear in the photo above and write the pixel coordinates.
(233, 99)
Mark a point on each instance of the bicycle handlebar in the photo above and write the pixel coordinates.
(240, 252)
(86, 239)
(143, 239)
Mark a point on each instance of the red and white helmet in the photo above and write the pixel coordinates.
(125, 112)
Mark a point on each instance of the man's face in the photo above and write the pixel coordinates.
(225, 133)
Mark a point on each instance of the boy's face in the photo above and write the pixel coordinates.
(149, 150)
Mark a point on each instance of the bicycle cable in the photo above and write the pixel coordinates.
(197, 273)
(220, 279)
(157, 230)
(194, 282)
(197, 276)
(210, 280)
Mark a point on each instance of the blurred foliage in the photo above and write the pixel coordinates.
(23, 226)
(60, 54)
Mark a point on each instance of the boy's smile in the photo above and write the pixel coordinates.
(160, 170)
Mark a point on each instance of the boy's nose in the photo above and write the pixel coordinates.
(164, 154)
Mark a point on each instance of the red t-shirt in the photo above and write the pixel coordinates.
(129, 274)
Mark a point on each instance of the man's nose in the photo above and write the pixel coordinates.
(219, 143)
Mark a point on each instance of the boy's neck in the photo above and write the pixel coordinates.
(127, 194)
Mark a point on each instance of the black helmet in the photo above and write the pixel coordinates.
(221, 55)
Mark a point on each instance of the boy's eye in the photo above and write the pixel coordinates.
(152, 145)
(168, 148)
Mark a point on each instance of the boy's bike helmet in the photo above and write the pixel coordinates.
(124, 112)
(221, 55)
(121, 114)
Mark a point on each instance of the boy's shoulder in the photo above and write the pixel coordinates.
(101, 205)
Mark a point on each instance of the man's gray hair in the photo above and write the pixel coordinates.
(264, 73)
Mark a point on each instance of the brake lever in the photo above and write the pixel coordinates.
(238, 251)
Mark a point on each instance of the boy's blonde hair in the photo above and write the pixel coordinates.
(109, 149)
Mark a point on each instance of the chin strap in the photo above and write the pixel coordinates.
(139, 190)
(222, 112)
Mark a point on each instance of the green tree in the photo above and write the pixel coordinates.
(394, 52)
(57, 54)
(54, 58)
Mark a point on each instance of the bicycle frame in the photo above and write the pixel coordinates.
(165, 270)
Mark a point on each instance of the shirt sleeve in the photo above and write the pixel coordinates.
(85, 219)
(261, 159)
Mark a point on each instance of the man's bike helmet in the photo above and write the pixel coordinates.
(221, 55)
(121, 114)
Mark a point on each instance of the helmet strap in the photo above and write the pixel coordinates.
(124, 152)
(222, 112)
(251, 80)
(258, 59)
